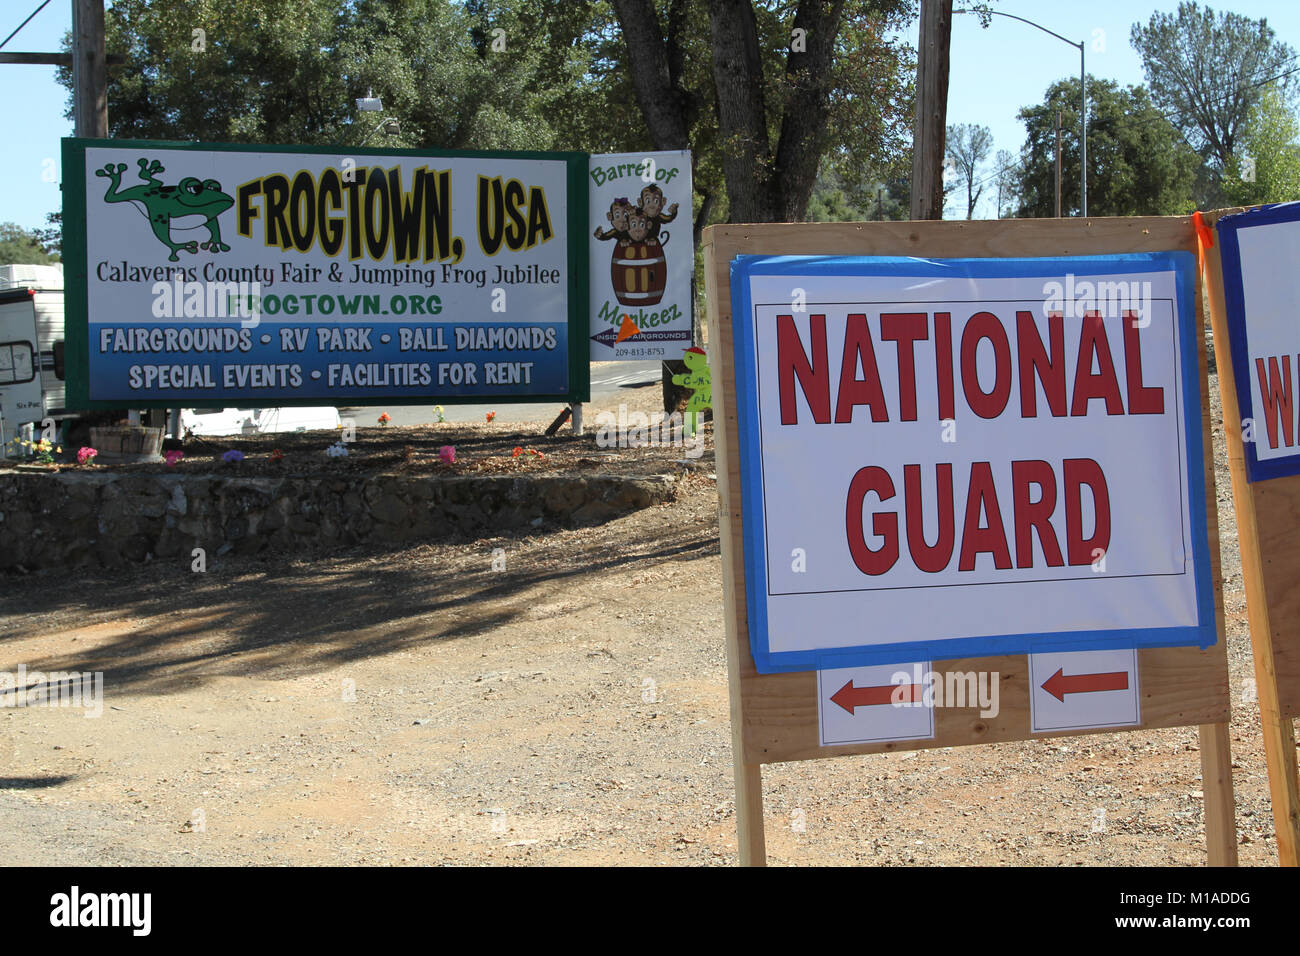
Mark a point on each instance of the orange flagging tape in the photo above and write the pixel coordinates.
(1204, 239)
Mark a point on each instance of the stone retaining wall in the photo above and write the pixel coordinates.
(78, 519)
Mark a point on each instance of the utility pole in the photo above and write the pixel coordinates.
(1058, 164)
(931, 109)
(89, 70)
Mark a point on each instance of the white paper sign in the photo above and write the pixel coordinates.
(642, 255)
(975, 459)
(1271, 289)
(1082, 690)
(865, 705)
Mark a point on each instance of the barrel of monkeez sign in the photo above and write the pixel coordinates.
(639, 271)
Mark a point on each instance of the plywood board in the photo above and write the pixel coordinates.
(775, 716)
(1267, 516)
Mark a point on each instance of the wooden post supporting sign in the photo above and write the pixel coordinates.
(1254, 288)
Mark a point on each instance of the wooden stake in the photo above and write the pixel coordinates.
(1216, 788)
(1275, 725)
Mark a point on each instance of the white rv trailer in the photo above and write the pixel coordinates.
(32, 369)
(31, 346)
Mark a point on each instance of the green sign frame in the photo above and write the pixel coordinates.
(76, 269)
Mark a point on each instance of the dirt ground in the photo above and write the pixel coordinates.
(419, 707)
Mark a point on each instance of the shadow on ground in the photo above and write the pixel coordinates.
(162, 628)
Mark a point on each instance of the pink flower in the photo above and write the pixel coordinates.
(86, 455)
(447, 454)
(173, 456)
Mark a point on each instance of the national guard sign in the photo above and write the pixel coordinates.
(969, 457)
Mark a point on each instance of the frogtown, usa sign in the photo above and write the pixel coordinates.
(216, 275)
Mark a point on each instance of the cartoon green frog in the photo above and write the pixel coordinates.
(190, 197)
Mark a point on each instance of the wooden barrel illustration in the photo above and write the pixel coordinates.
(638, 272)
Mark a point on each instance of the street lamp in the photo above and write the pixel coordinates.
(370, 103)
(1083, 87)
(388, 124)
(374, 104)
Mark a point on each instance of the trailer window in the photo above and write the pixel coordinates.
(16, 365)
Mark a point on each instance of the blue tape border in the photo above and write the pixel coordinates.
(1183, 264)
(1234, 300)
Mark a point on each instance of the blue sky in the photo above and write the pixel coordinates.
(995, 71)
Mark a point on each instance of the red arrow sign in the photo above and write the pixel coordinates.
(850, 697)
(1058, 685)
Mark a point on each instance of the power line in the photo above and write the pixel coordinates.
(24, 23)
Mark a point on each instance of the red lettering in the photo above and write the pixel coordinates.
(985, 325)
(1080, 472)
(930, 559)
(1276, 392)
(983, 496)
(1030, 516)
(1142, 399)
(906, 329)
(859, 391)
(1100, 384)
(814, 376)
(1034, 362)
(943, 365)
(867, 480)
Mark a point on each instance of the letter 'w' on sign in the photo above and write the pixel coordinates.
(1070, 516)
(1254, 289)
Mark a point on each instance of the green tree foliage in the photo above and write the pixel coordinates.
(19, 246)
(834, 199)
(1209, 72)
(770, 93)
(1266, 167)
(966, 148)
(509, 74)
(1006, 182)
(501, 75)
(51, 238)
(1138, 163)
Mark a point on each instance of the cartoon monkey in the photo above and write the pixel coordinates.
(652, 206)
(619, 211)
(640, 227)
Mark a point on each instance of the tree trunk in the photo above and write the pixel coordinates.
(931, 109)
(803, 122)
(742, 113)
(656, 64)
(652, 61)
